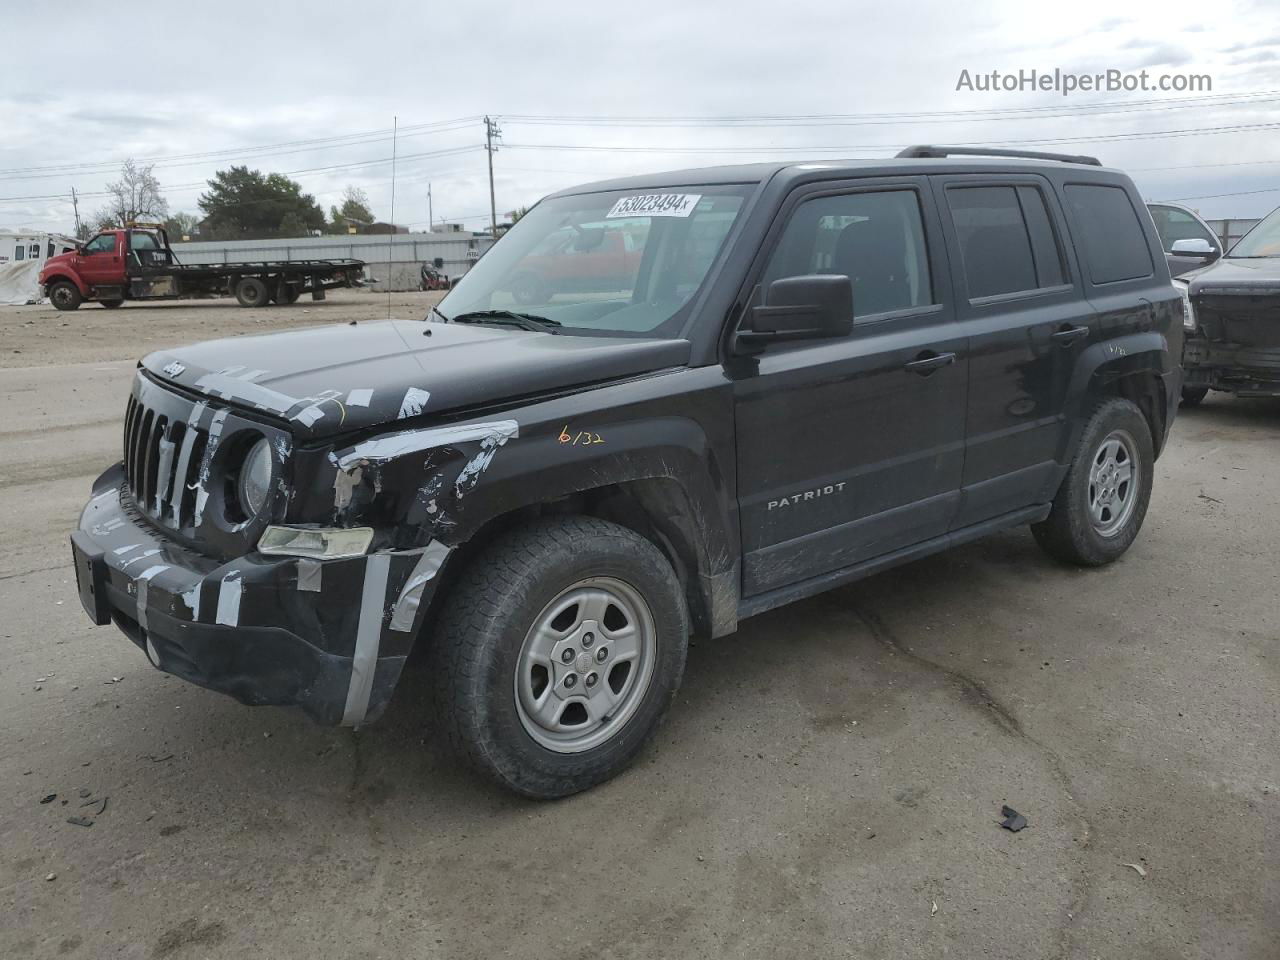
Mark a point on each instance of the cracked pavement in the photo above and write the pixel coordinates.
(826, 776)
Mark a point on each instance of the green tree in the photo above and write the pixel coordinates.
(181, 225)
(246, 204)
(355, 207)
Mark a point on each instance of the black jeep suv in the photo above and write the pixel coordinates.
(719, 391)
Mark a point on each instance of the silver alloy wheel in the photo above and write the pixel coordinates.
(585, 665)
(1113, 483)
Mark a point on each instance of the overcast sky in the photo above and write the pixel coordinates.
(249, 80)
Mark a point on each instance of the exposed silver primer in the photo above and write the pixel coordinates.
(164, 471)
(359, 398)
(140, 587)
(368, 638)
(121, 551)
(413, 403)
(142, 556)
(224, 384)
(309, 575)
(252, 375)
(469, 476)
(405, 610)
(184, 461)
(102, 529)
(229, 592)
(344, 484)
(173, 369)
(192, 598)
(414, 441)
(307, 416)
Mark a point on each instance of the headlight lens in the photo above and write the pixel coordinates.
(1188, 310)
(255, 478)
(319, 542)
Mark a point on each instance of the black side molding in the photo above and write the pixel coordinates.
(926, 151)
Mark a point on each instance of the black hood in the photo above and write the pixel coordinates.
(343, 378)
(1251, 276)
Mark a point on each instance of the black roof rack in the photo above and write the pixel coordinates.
(926, 150)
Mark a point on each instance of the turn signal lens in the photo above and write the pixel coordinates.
(319, 543)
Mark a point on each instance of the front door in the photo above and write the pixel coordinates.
(852, 448)
(101, 261)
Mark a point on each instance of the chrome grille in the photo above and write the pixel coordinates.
(162, 457)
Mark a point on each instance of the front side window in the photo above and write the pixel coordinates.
(876, 239)
(1174, 224)
(620, 263)
(1115, 245)
(1263, 240)
(19, 252)
(102, 243)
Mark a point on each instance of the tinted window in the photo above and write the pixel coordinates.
(995, 245)
(875, 239)
(1115, 247)
(1044, 242)
(103, 243)
(19, 252)
(1173, 224)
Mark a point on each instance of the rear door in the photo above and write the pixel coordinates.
(1023, 308)
(850, 448)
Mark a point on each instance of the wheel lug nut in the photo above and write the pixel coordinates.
(571, 680)
(602, 654)
(592, 679)
(588, 639)
(568, 655)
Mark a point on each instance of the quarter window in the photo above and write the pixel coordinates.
(1007, 243)
(1115, 245)
(876, 239)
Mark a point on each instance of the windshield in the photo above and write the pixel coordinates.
(622, 263)
(1263, 240)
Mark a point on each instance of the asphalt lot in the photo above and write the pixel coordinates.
(828, 785)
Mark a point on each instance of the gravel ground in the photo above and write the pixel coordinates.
(828, 784)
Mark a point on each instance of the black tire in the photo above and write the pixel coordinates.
(111, 304)
(284, 294)
(1191, 396)
(1070, 533)
(529, 289)
(502, 593)
(252, 292)
(65, 295)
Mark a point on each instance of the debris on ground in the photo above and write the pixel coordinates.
(52, 876)
(80, 821)
(113, 680)
(154, 759)
(933, 909)
(49, 799)
(1013, 820)
(1141, 871)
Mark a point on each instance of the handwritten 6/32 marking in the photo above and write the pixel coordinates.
(581, 438)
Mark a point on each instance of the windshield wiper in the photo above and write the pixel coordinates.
(525, 321)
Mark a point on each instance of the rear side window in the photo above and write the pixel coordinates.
(876, 239)
(1006, 238)
(1115, 246)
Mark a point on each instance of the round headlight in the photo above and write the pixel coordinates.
(255, 478)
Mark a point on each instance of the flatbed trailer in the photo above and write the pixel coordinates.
(136, 262)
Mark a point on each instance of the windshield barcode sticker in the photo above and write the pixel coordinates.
(655, 205)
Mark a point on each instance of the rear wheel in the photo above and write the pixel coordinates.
(1100, 506)
(111, 304)
(252, 292)
(1191, 396)
(285, 293)
(65, 295)
(560, 650)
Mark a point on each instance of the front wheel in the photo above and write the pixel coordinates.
(1100, 506)
(65, 295)
(559, 652)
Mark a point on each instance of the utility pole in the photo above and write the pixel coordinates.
(431, 218)
(75, 205)
(491, 133)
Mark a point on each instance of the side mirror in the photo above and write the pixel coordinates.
(1193, 247)
(801, 308)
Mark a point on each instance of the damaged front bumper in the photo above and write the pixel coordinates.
(1247, 371)
(329, 636)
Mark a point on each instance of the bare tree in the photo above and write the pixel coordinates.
(135, 196)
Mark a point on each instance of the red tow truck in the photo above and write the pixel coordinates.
(135, 262)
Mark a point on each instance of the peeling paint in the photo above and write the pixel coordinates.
(140, 587)
(309, 575)
(344, 484)
(414, 402)
(210, 448)
(229, 387)
(359, 398)
(414, 441)
(368, 638)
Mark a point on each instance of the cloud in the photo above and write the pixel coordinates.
(1261, 56)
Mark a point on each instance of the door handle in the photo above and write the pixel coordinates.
(1069, 335)
(928, 361)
